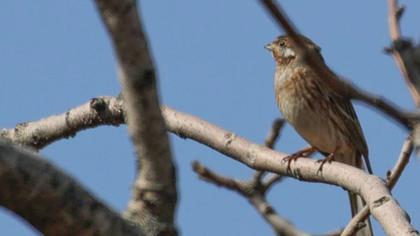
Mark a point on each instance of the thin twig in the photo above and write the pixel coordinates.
(274, 178)
(392, 178)
(402, 162)
(274, 133)
(256, 189)
(208, 175)
(255, 197)
(394, 17)
(272, 136)
(402, 51)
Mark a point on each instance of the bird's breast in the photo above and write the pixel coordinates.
(305, 108)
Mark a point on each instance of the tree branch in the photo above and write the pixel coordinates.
(394, 15)
(406, 57)
(403, 51)
(154, 197)
(274, 133)
(38, 134)
(256, 189)
(371, 188)
(254, 195)
(50, 200)
(392, 178)
(269, 142)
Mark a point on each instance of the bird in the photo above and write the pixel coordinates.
(322, 116)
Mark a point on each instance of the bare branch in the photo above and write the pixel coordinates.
(154, 196)
(272, 136)
(206, 174)
(269, 142)
(406, 57)
(255, 196)
(390, 215)
(50, 200)
(271, 181)
(395, 14)
(371, 188)
(392, 178)
(38, 134)
(255, 190)
(342, 86)
(406, 150)
(403, 52)
(274, 133)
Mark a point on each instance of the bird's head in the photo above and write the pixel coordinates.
(285, 51)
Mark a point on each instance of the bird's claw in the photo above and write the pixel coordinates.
(294, 156)
(328, 159)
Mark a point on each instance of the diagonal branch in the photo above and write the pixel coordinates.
(269, 142)
(50, 200)
(403, 51)
(154, 195)
(274, 133)
(392, 218)
(406, 57)
(392, 178)
(254, 195)
(255, 190)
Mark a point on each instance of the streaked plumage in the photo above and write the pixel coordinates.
(324, 118)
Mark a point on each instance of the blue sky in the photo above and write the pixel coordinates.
(55, 55)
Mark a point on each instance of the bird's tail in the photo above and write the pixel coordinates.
(356, 202)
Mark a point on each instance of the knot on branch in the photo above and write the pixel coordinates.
(98, 104)
(154, 194)
(399, 12)
(379, 202)
(399, 45)
(229, 138)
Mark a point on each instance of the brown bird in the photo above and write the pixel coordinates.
(323, 117)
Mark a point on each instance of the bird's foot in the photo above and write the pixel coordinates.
(301, 153)
(328, 159)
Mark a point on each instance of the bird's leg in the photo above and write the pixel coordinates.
(301, 153)
(328, 158)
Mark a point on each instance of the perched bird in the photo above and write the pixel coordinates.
(323, 117)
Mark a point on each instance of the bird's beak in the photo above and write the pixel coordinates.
(269, 47)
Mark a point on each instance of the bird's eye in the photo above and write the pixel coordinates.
(282, 44)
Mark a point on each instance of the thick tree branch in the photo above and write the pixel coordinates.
(383, 206)
(372, 189)
(406, 119)
(38, 134)
(392, 178)
(154, 196)
(50, 200)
